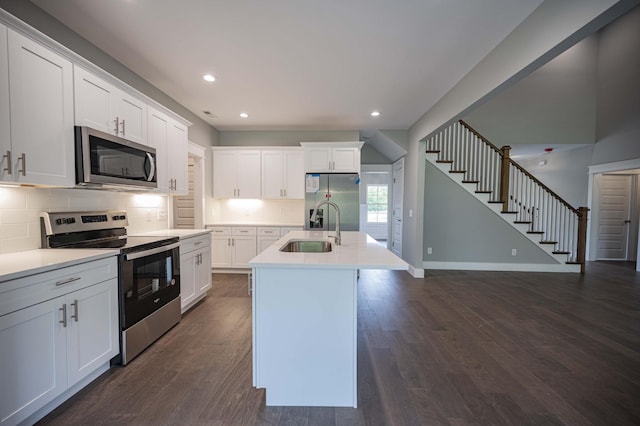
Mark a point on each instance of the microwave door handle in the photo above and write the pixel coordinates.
(152, 165)
(144, 253)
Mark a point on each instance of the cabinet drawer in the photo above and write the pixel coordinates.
(220, 230)
(27, 291)
(194, 243)
(243, 230)
(269, 231)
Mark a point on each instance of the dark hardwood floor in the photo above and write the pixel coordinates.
(454, 348)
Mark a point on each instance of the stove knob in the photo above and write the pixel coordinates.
(116, 217)
(59, 221)
(122, 217)
(73, 220)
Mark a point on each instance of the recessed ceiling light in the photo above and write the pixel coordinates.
(244, 115)
(375, 113)
(209, 77)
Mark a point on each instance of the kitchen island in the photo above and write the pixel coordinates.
(305, 318)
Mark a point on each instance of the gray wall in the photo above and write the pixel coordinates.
(618, 114)
(551, 29)
(459, 228)
(200, 132)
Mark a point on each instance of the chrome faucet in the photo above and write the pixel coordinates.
(329, 203)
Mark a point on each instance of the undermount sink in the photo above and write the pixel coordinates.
(306, 246)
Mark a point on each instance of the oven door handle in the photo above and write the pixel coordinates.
(144, 253)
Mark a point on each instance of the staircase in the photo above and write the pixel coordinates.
(487, 173)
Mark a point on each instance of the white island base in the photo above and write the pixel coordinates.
(305, 340)
(305, 319)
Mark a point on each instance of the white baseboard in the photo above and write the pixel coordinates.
(416, 272)
(516, 267)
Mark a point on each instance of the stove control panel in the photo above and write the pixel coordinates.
(64, 222)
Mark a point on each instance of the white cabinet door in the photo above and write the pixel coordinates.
(244, 249)
(93, 101)
(345, 160)
(187, 278)
(178, 157)
(220, 251)
(264, 242)
(224, 174)
(41, 108)
(248, 174)
(158, 139)
(33, 351)
(92, 328)
(283, 174)
(236, 174)
(317, 159)
(5, 133)
(131, 114)
(273, 174)
(294, 174)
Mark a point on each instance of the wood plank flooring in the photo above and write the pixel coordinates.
(454, 348)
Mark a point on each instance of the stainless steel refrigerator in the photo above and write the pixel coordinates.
(341, 188)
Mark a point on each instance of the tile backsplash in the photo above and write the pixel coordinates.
(20, 210)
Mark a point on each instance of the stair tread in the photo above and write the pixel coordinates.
(483, 192)
(527, 222)
(432, 151)
(535, 232)
(495, 202)
(548, 242)
(470, 181)
(509, 212)
(457, 171)
(444, 161)
(561, 252)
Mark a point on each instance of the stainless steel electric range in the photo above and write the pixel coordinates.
(148, 272)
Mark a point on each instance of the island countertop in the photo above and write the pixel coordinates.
(357, 251)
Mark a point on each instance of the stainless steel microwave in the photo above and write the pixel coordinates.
(107, 161)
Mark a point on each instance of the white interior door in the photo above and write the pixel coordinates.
(397, 197)
(614, 217)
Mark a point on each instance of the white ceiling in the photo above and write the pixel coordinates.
(298, 64)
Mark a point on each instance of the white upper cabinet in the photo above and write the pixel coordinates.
(41, 115)
(5, 131)
(178, 157)
(236, 174)
(169, 138)
(103, 106)
(332, 157)
(283, 174)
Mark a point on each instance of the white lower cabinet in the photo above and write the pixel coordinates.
(56, 329)
(195, 270)
(234, 246)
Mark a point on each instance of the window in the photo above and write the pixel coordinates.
(377, 201)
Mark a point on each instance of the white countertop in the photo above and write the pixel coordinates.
(24, 263)
(181, 233)
(357, 251)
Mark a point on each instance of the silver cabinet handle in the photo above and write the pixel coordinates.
(249, 280)
(117, 129)
(238, 192)
(228, 241)
(75, 309)
(122, 127)
(67, 281)
(23, 158)
(63, 321)
(285, 192)
(8, 157)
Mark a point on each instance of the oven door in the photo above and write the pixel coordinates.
(149, 279)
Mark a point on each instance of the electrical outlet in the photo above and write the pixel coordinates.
(162, 215)
(514, 252)
(429, 250)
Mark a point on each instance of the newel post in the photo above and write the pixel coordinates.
(504, 177)
(583, 213)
